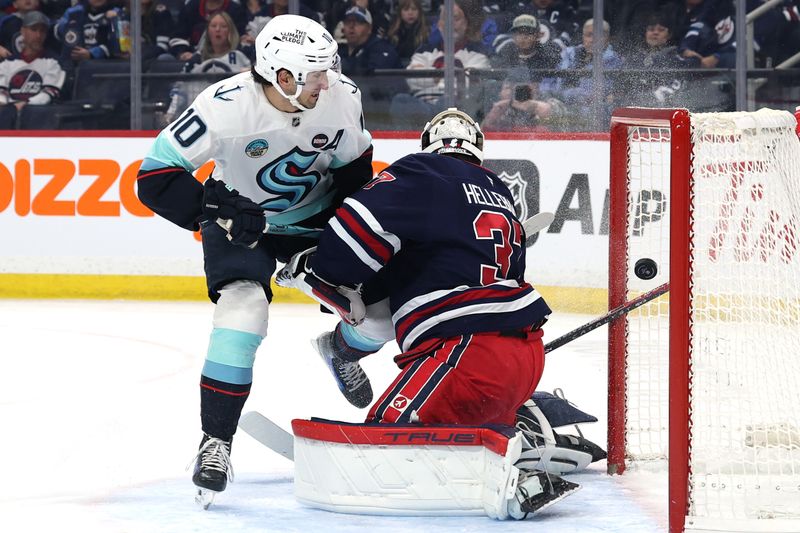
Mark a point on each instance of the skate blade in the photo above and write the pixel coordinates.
(204, 498)
(557, 499)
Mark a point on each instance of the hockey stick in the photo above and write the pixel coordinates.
(535, 224)
(268, 433)
(277, 229)
(608, 317)
(532, 226)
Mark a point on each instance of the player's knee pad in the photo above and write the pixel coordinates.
(240, 324)
(377, 326)
(242, 306)
(354, 338)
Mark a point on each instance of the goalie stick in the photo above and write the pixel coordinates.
(608, 317)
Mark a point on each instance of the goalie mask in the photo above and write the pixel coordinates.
(453, 132)
(301, 46)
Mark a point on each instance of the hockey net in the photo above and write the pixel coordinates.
(707, 377)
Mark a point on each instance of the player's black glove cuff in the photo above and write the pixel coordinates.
(242, 218)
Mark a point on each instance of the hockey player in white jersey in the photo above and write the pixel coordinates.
(289, 143)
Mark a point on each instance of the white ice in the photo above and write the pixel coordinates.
(99, 410)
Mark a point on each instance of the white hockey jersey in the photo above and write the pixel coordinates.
(37, 81)
(281, 161)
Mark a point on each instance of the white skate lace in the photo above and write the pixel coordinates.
(214, 454)
(351, 374)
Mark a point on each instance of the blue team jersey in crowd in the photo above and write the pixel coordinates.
(453, 251)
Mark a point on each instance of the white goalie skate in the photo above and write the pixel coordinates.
(538, 490)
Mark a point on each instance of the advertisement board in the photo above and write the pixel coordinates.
(68, 207)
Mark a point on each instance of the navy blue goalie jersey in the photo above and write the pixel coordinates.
(449, 247)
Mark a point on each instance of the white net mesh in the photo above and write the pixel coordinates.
(745, 313)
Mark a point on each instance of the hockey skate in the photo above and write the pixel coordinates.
(212, 469)
(349, 376)
(537, 491)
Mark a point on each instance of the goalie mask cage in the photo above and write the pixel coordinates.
(707, 377)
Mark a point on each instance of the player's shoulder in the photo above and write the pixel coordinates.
(346, 93)
(227, 101)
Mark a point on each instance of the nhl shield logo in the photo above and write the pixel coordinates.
(295, 121)
(518, 188)
(521, 176)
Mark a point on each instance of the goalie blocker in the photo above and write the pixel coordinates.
(396, 469)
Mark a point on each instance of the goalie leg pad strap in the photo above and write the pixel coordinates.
(544, 449)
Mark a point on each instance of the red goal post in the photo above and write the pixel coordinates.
(714, 199)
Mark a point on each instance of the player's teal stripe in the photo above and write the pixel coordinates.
(337, 163)
(356, 340)
(233, 348)
(163, 154)
(228, 374)
(302, 213)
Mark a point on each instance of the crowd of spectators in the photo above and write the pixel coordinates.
(540, 52)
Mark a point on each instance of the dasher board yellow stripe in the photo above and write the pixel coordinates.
(193, 288)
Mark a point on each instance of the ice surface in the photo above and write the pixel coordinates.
(99, 408)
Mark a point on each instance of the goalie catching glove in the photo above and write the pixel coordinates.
(343, 301)
(242, 218)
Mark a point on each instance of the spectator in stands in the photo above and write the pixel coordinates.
(31, 77)
(521, 105)
(409, 29)
(709, 33)
(427, 94)
(364, 51)
(218, 53)
(379, 9)
(578, 93)
(558, 21)
(11, 26)
(488, 33)
(157, 26)
(193, 20)
(628, 17)
(88, 30)
(260, 12)
(525, 50)
(656, 56)
(53, 9)
(777, 32)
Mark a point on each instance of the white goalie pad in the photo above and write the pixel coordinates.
(383, 469)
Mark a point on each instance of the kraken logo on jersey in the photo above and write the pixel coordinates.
(288, 179)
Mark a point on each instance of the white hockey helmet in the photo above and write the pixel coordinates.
(299, 45)
(453, 132)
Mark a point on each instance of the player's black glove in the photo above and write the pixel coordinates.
(242, 218)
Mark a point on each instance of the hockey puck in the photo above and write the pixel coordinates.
(645, 268)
